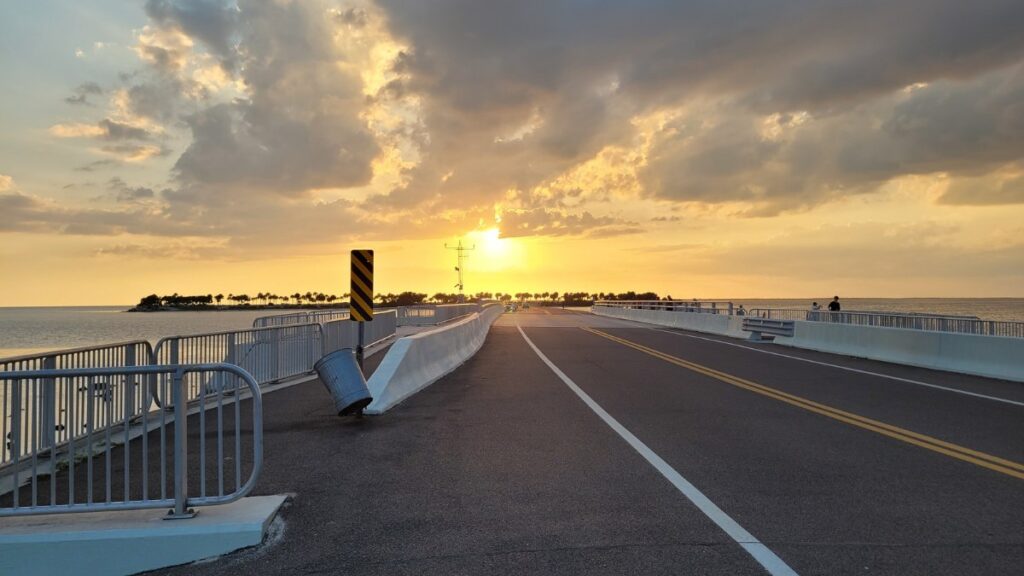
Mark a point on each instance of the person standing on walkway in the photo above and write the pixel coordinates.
(833, 306)
(815, 306)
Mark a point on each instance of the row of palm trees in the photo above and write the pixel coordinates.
(384, 299)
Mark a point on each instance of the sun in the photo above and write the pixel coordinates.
(493, 253)
(490, 244)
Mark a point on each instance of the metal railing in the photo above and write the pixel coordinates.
(698, 306)
(339, 334)
(309, 317)
(430, 314)
(132, 353)
(268, 354)
(115, 464)
(926, 322)
(54, 400)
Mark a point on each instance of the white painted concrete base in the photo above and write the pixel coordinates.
(128, 542)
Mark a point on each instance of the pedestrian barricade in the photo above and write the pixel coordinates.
(115, 460)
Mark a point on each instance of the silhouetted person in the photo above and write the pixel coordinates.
(741, 311)
(833, 306)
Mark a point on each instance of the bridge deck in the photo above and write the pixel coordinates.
(837, 465)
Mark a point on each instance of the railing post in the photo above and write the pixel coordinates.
(229, 355)
(181, 509)
(15, 440)
(48, 423)
(275, 353)
(129, 384)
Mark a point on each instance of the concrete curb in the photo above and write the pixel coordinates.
(131, 541)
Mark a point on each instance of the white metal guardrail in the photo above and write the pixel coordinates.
(268, 354)
(927, 322)
(116, 465)
(700, 306)
(133, 353)
(54, 400)
(309, 317)
(430, 314)
(338, 334)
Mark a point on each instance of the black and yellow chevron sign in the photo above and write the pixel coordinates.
(361, 301)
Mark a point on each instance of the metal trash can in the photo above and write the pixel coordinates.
(344, 380)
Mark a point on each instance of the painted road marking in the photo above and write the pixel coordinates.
(849, 369)
(764, 556)
(982, 459)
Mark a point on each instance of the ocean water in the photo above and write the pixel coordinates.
(41, 329)
(30, 330)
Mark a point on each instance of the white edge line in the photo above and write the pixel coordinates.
(764, 556)
(849, 369)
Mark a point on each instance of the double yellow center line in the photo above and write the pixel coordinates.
(982, 459)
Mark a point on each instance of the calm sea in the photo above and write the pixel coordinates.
(29, 330)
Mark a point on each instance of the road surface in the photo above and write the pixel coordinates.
(577, 444)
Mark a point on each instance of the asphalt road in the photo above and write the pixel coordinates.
(648, 452)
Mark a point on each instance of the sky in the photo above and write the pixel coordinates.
(703, 149)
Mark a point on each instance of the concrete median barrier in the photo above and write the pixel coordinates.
(721, 324)
(414, 362)
(980, 355)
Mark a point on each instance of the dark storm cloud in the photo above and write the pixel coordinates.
(588, 67)
(97, 165)
(129, 194)
(214, 22)
(984, 191)
(82, 93)
(795, 54)
(300, 126)
(119, 131)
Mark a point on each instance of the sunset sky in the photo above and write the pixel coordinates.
(704, 149)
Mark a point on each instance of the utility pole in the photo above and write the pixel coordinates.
(460, 250)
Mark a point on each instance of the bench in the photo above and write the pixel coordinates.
(758, 327)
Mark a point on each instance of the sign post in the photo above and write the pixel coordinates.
(361, 296)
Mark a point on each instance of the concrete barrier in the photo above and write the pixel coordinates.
(721, 324)
(990, 356)
(414, 362)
